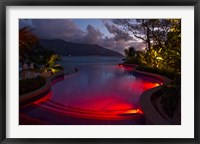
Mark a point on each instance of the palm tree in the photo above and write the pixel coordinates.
(132, 56)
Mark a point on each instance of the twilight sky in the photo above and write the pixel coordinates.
(91, 31)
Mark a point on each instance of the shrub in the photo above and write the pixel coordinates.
(170, 94)
(169, 99)
(171, 75)
(29, 85)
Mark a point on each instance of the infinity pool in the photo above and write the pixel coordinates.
(95, 94)
(100, 93)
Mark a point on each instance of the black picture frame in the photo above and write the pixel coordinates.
(5, 3)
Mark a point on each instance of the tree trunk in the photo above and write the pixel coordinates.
(148, 39)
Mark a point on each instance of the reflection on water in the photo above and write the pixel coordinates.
(101, 87)
(100, 92)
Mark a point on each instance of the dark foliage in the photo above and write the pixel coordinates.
(167, 74)
(29, 85)
(170, 98)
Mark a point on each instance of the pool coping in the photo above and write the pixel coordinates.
(150, 112)
(29, 98)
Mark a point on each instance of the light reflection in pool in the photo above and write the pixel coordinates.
(102, 89)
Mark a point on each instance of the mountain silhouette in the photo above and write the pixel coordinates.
(64, 48)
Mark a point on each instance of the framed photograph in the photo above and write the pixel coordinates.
(99, 72)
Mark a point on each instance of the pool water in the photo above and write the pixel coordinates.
(95, 94)
(101, 87)
(100, 92)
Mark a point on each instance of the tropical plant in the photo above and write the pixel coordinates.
(43, 57)
(29, 85)
(163, 39)
(130, 54)
(27, 41)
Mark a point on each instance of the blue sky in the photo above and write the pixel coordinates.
(91, 31)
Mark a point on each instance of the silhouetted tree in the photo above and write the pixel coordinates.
(27, 41)
(163, 41)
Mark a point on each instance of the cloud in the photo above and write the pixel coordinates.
(57, 29)
(93, 35)
(118, 33)
(120, 40)
(67, 30)
(120, 45)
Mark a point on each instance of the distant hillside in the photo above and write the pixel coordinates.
(64, 48)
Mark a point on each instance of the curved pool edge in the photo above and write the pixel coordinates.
(150, 112)
(31, 97)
